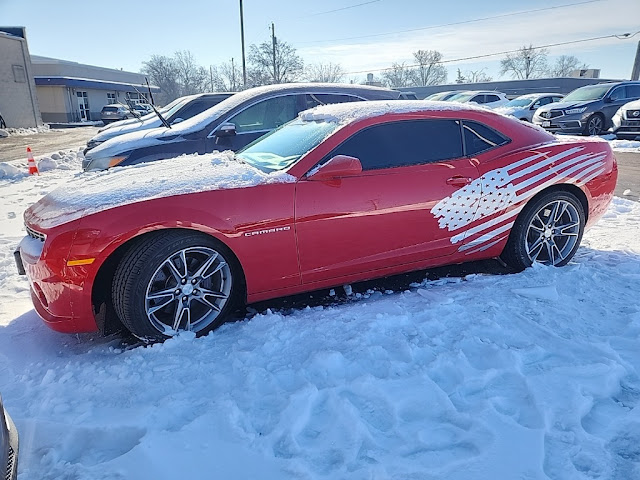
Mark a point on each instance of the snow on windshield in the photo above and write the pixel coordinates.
(89, 193)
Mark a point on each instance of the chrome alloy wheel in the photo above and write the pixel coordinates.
(553, 233)
(188, 290)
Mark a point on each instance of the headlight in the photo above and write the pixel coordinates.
(92, 164)
(94, 143)
(573, 111)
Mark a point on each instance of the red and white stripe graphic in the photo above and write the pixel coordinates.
(484, 211)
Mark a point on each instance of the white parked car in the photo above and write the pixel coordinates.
(524, 106)
(488, 98)
(626, 121)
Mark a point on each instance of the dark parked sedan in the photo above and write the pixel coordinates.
(230, 125)
(8, 446)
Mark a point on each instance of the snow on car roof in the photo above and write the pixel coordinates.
(89, 193)
(350, 112)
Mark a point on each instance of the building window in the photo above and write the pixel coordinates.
(19, 74)
(111, 98)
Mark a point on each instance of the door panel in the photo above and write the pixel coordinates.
(380, 218)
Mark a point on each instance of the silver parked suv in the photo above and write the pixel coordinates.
(587, 110)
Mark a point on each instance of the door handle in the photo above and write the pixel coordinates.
(459, 181)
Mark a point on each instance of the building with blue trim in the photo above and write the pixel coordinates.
(74, 92)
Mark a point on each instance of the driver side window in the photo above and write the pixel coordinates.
(618, 94)
(266, 115)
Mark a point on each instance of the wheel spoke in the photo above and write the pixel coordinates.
(206, 302)
(174, 271)
(534, 257)
(560, 256)
(169, 292)
(559, 215)
(211, 293)
(550, 253)
(183, 258)
(205, 266)
(562, 228)
(155, 308)
(535, 244)
(552, 216)
(181, 311)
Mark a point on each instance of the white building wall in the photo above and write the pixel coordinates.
(18, 101)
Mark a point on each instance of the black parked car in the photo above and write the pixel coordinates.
(230, 125)
(177, 111)
(587, 110)
(8, 446)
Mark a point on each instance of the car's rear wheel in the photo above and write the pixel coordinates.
(547, 231)
(175, 281)
(594, 125)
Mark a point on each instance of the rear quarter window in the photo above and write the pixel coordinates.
(479, 138)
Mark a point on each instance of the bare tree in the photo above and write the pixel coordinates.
(325, 72)
(564, 65)
(399, 75)
(191, 76)
(430, 70)
(461, 78)
(288, 66)
(226, 77)
(476, 76)
(162, 71)
(528, 62)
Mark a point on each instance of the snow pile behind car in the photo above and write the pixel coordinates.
(62, 160)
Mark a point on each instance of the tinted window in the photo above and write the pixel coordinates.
(633, 91)
(546, 100)
(192, 109)
(315, 99)
(266, 115)
(478, 99)
(618, 93)
(479, 138)
(557, 99)
(492, 98)
(404, 143)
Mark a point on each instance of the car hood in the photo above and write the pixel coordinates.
(564, 105)
(129, 127)
(128, 141)
(89, 193)
(635, 105)
(510, 110)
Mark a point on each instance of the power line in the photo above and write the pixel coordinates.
(343, 8)
(463, 22)
(624, 36)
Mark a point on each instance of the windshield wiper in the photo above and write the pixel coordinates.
(162, 119)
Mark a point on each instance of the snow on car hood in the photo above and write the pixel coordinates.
(134, 126)
(89, 193)
(344, 113)
(509, 110)
(631, 105)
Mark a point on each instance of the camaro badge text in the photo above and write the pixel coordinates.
(268, 230)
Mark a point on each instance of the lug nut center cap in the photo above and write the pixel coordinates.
(187, 289)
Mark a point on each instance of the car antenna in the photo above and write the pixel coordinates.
(162, 119)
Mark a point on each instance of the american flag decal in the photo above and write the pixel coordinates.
(483, 212)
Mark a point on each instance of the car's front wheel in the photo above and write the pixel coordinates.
(173, 281)
(547, 231)
(594, 125)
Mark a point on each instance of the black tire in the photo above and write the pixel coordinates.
(594, 125)
(154, 266)
(522, 237)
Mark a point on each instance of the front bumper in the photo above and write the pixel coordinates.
(9, 443)
(563, 124)
(627, 128)
(61, 295)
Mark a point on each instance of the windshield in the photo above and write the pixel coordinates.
(440, 96)
(283, 147)
(173, 107)
(583, 94)
(520, 102)
(462, 97)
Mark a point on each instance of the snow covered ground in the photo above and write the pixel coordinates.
(523, 376)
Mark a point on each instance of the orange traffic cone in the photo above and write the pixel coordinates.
(33, 168)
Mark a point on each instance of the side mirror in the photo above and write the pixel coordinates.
(535, 106)
(177, 120)
(226, 130)
(608, 100)
(339, 166)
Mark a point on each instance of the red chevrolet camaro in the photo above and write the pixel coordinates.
(343, 193)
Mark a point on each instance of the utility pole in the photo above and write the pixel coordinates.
(211, 74)
(233, 76)
(635, 73)
(273, 43)
(244, 63)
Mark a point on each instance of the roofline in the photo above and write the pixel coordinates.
(62, 81)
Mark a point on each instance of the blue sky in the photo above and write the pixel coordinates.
(123, 34)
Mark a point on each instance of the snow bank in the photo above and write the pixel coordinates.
(25, 131)
(88, 193)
